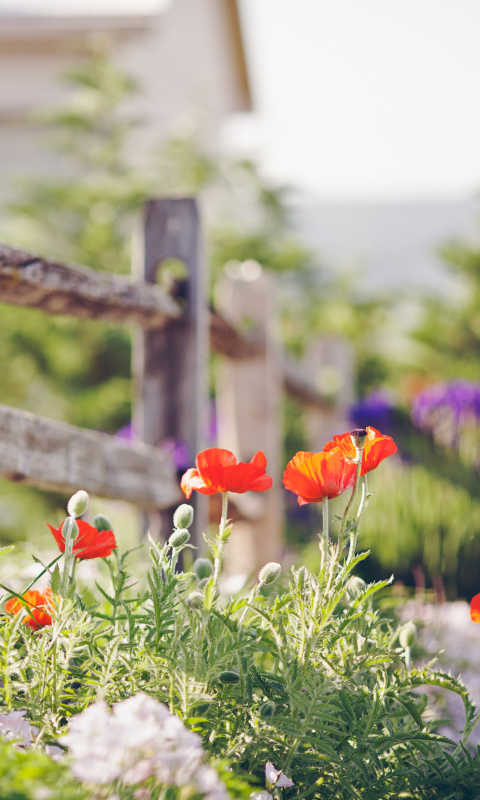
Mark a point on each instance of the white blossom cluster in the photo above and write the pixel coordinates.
(448, 633)
(140, 739)
(19, 730)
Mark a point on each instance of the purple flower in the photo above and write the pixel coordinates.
(447, 409)
(375, 410)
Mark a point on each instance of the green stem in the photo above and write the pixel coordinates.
(325, 523)
(361, 509)
(217, 566)
(251, 598)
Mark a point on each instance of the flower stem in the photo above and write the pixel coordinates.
(361, 509)
(325, 530)
(217, 566)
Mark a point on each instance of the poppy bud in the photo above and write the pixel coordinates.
(355, 587)
(229, 677)
(270, 572)
(359, 436)
(78, 504)
(101, 523)
(183, 516)
(202, 583)
(179, 538)
(408, 636)
(195, 600)
(267, 710)
(70, 529)
(203, 568)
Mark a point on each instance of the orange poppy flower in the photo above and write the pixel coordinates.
(218, 471)
(37, 602)
(377, 448)
(475, 608)
(313, 476)
(89, 543)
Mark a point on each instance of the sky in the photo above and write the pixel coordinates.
(364, 99)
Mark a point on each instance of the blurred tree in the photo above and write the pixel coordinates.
(79, 371)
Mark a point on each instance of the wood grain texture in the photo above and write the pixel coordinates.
(171, 364)
(55, 456)
(29, 280)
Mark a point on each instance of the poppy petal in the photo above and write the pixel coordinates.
(262, 484)
(259, 459)
(475, 608)
(192, 480)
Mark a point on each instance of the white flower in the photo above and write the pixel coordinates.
(139, 739)
(276, 777)
(15, 726)
(261, 795)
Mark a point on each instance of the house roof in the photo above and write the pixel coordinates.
(45, 26)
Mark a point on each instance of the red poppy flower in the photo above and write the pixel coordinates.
(475, 608)
(218, 471)
(313, 476)
(89, 543)
(37, 602)
(377, 448)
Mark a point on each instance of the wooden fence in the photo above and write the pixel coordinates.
(172, 336)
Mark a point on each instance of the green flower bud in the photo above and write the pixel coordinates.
(183, 516)
(101, 523)
(270, 572)
(202, 583)
(179, 538)
(195, 600)
(203, 568)
(229, 677)
(408, 635)
(78, 504)
(355, 587)
(267, 710)
(70, 529)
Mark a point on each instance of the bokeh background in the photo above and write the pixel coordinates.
(333, 142)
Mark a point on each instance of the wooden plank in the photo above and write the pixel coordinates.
(55, 456)
(170, 365)
(329, 361)
(249, 394)
(29, 280)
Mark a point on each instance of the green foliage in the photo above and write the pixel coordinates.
(29, 775)
(450, 329)
(312, 679)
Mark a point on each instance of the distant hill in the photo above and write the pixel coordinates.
(389, 245)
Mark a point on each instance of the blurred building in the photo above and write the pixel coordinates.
(187, 56)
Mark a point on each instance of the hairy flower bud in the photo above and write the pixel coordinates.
(202, 583)
(270, 572)
(195, 600)
(355, 587)
(203, 568)
(229, 677)
(102, 523)
(70, 529)
(78, 504)
(183, 516)
(408, 635)
(179, 537)
(267, 710)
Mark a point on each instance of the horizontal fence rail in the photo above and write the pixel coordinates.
(30, 280)
(58, 457)
(36, 282)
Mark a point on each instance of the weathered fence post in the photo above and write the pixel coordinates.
(249, 395)
(329, 364)
(170, 364)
